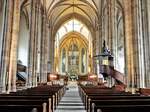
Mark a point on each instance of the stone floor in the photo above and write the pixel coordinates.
(71, 102)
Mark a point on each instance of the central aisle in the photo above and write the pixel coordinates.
(71, 101)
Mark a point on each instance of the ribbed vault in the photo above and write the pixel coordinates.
(58, 10)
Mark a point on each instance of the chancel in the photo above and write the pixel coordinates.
(74, 55)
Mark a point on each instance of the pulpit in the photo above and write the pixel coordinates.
(105, 66)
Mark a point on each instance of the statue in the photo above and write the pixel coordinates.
(105, 50)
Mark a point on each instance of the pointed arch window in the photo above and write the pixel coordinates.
(73, 57)
(63, 60)
(73, 25)
(83, 60)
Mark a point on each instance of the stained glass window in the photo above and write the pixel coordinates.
(83, 60)
(73, 61)
(63, 60)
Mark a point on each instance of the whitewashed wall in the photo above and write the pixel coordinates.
(23, 41)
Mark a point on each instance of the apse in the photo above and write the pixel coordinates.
(73, 47)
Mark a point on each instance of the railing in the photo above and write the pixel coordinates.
(110, 71)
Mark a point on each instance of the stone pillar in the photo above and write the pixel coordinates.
(100, 26)
(141, 42)
(97, 33)
(114, 29)
(130, 69)
(146, 44)
(13, 48)
(148, 15)
(44, 49)
(114, 34)
(110, 18)
(51, 52)
(35, 54)
(32, 27)
(138, 42)
(48, 48)
(39, 28)
(94, 53)
(3, 22)
(6, 37)
(97, 37)
(42, 52)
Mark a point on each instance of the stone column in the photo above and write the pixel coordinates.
(110, 28)
(46, 50)
(148, 15)
(13, 48)
(138, 42)
(114, 29)
(44, 47)
(100, 26)
(114, 34)
(35, 54)
(3, 20)
(141, 42)
(146, 39)
(53, 54)
(94, 52)
(97, 33)
(51, 48)
(39, 43)
(6, 45)
(97, 37)
(31, 70)
(130, 69)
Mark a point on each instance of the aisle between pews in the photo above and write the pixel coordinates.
(71, 101)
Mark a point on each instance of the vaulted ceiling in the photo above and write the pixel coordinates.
(59, 11)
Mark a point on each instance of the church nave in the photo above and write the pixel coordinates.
(74, 55)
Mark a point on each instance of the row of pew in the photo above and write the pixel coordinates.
(104, 99)
(43, 98)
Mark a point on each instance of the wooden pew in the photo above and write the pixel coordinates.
(96, 91)
(121, 105)
(144, 91)
(23, 103)
(43, 98)
(106, 100)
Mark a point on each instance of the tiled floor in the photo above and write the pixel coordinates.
(71, 102)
